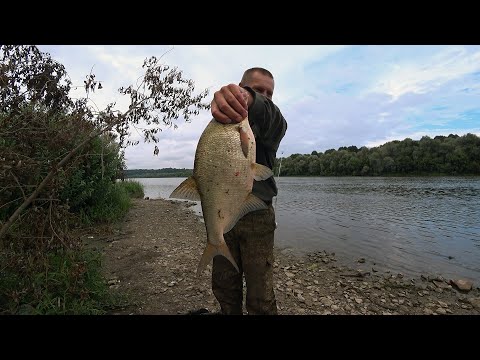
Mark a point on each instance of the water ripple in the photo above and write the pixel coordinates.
(409, 225)
(415, 224)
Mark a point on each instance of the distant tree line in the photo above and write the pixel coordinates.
(442, 155)
(157, 173)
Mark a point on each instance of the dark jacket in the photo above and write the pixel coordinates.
(269, 127)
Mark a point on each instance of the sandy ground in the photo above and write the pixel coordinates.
(152, 257)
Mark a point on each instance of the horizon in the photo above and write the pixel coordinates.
(320, 152)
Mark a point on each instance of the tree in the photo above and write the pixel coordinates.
(31, 78)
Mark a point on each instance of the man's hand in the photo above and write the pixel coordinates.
(230, 103)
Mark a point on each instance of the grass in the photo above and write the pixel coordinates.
(62, 283)
(133, 188)
(113, 203)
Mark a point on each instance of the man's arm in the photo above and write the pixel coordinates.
(271, 124)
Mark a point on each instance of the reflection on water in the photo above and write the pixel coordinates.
(408, 225)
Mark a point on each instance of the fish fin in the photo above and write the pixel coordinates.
(211, 251)
(261, 172)
(244, 140)
(187, 190)
(251, 203)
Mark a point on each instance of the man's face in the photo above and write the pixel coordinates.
(262, 84)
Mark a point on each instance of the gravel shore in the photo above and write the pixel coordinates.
(153, 255)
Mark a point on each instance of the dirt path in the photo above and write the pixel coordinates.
(152, 257)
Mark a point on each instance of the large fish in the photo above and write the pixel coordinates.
(222, 180)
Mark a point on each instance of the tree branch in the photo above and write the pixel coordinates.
(20, 186)
(46, 180)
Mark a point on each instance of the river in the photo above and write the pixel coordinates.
(409, 225)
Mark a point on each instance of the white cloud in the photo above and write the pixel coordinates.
(425, 76)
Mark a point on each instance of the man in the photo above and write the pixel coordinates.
(251, 240)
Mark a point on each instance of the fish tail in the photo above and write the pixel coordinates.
(211, 251)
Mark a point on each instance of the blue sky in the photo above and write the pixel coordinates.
(331, 96)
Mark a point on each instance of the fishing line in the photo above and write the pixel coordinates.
(276, 197)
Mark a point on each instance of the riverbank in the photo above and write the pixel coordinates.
(152, 257)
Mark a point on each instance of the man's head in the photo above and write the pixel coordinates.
(260, 80)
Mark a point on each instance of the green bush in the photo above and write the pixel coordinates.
(91, 184)
(44, 269)
(112, 203)
(133, 188)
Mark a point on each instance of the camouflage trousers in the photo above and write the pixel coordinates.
(251, 244)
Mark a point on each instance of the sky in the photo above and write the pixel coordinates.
(330, 96)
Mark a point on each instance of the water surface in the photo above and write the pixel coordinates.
(407, 225)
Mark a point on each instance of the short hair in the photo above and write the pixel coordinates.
(250, 71)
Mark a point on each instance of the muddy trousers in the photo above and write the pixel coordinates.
(251, 244)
